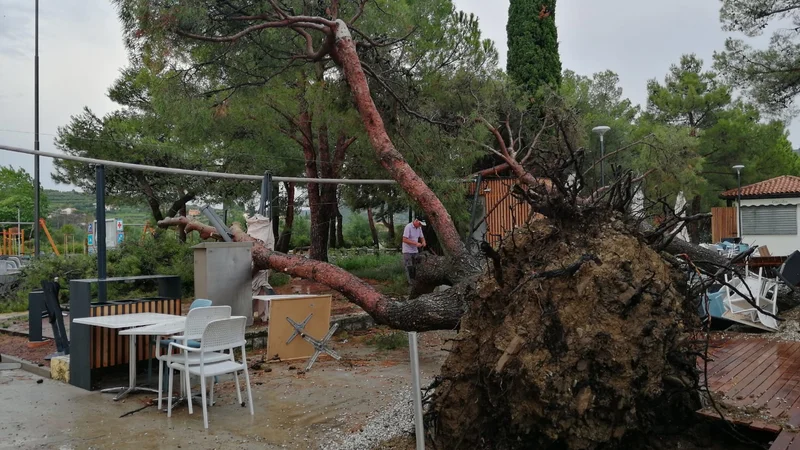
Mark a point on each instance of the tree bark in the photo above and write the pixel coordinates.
(332, 230)
(286, 234)
(372, 229)
(152, 200)
(319, 230)
(182, 230)
(344, 53)
(694, 227)
(180, 204)
(339, 229)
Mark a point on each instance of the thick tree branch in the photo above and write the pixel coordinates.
(429, 312)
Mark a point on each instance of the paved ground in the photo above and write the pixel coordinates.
(292, 410)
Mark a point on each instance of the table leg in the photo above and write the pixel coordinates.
(132, 388)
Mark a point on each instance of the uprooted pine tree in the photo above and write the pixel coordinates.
(577, 332)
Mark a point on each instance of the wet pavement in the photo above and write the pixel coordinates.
(292, 410)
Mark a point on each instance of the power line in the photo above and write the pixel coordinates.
(200, 173)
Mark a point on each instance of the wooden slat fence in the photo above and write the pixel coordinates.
(723, 223)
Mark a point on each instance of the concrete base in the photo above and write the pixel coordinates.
(59, 368)
(26, 366)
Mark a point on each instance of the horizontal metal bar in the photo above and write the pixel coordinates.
(200, 173)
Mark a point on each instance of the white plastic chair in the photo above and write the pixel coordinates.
(768, 301)
(196, 321)
(752, 284)
(219, 336)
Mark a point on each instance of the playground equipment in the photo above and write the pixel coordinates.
(13, 242)
(49, 238)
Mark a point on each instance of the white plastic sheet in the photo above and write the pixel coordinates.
(260, 227)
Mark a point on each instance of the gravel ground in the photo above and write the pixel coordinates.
(397, 419)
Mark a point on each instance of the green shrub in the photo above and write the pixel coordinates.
(398, 235)
(279, 279)
(389, 341)
(357, 233)
(301, 232)
(163, 255)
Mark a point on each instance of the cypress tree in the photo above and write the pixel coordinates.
(533, 59)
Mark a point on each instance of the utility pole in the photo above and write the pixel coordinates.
(36, 186)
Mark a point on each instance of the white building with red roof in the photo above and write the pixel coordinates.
(769, 213)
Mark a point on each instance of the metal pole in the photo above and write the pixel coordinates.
(36, 137)
(602, 162)
(417, 393)
(198, 173)
(100, 231)
(474, 208)
(266, 196)
(739, 200)
(268, 180)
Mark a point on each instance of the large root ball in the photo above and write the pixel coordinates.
(557, 354)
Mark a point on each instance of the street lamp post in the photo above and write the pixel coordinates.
(36, 187)
(738, 168)
(600, 131)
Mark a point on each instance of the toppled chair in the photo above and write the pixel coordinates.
(56, 317)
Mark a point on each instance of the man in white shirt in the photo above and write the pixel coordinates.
(413, 240)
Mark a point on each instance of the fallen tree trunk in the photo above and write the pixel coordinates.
(429, 312)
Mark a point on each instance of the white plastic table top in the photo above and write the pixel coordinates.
(159, 329)
(267, 298)
(127, 320)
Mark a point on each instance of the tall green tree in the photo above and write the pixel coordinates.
(771, 75)
(17, 188)
(599, 100)
(533, 59)
(689, 96)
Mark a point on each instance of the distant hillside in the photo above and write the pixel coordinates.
(59, 200)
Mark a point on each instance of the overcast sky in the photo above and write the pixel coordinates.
(81, 53)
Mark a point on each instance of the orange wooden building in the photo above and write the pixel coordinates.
(498, 211)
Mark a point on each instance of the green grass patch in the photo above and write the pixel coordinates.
(389, 341)
(279, 279)
(13, 305)
(381, 267)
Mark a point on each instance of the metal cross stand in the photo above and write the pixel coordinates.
(298, 328)
(320, 346)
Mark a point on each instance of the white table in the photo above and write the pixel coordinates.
(159, 329)
(127, 321)
(268, 298)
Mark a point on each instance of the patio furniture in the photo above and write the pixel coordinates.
(298, 308)
(220, 337)
(121, 322)
(196, 321)
(155, 331)
(97, 347)
(754, 292)
(197, 303)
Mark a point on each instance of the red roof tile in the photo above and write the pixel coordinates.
(783, 186)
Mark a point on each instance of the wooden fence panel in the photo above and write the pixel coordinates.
(723, 223)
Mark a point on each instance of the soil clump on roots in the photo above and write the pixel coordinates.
(580, 338)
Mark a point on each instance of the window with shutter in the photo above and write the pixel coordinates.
(769, 220)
